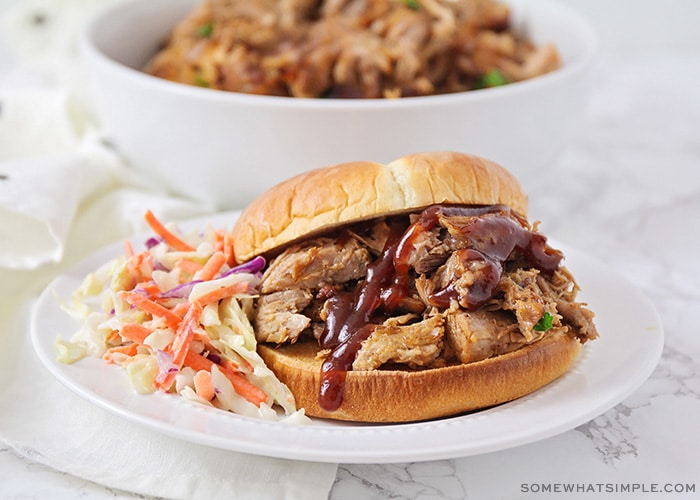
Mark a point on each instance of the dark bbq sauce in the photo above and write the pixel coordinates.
(488, 241)
(350, 319)
(486, 278)
(489, 235)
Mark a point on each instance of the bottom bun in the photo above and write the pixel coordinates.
(407, 396)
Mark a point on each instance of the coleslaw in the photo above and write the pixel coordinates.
(174, 316)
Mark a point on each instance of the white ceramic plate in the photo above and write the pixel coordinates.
(608, 370)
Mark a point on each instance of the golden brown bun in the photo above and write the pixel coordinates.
(323, 198)
(404, 396)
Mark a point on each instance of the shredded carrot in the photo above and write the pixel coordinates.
(167, 235)
(150, 287)
(224, 244)
(203, 385)
(128, 249)
(141, 265)
(134, 262)
(197, 362)
(126, 350)
(224, 292)
(240, 384)
(189, 266)
(202, 337)
(219, 240)
(212, 266)
(113, 337)
(180, 309)
(185, 334)
(153, 308)
(245, 388)
(232, 366)
(133, 332)
(180, 346)
(228, 250)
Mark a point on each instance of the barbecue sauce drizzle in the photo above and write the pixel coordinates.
(488, 236)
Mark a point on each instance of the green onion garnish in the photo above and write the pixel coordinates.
(492, 78)
(198, 80)
(205, 30)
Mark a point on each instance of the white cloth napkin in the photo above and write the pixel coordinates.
(51, 161)
(65, 193)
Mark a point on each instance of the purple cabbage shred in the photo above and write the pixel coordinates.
(214, 358)
(253, 266)
(151, 242)
(179, 292)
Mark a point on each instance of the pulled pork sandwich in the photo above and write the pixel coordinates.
(408, 291)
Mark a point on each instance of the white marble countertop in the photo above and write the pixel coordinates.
(627, 191)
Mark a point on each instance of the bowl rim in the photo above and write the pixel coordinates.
(91, 54)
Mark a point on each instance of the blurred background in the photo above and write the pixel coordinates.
(637, 27)
(43, 36)
(626, 27)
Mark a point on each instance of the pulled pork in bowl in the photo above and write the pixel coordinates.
(224, 148)
(350, 48)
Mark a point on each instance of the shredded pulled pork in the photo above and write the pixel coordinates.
(433, 323)
(350, 48)
(414, 344)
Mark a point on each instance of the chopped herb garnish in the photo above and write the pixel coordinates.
(205, 30)
(492, 78)
(201, 81)
(411, 4)
(545, 323)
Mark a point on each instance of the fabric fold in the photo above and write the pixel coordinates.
(38, 201)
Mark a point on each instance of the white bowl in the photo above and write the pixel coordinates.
(224, 148)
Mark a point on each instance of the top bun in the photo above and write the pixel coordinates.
(324, 198)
